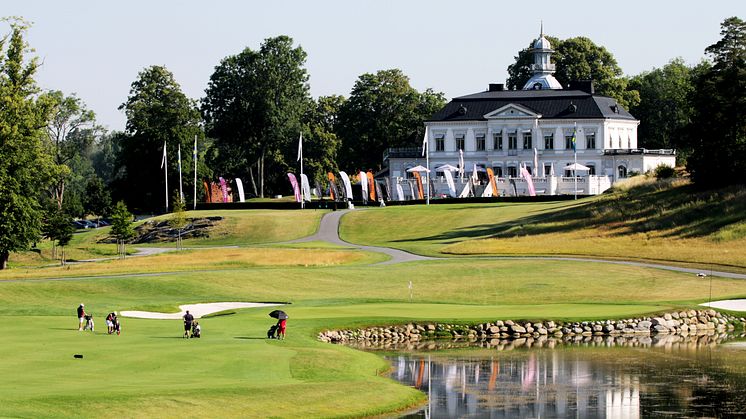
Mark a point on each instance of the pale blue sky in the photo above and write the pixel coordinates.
(96, 48)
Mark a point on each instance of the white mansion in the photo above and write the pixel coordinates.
(534, 127)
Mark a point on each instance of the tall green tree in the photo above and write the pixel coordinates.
(157, 111)
(71, 132)
(97, 200)
(578, 58)
(105, 154)
(320, 141)
(253, 108)
(718, 128)
(665, 108)
(24, 165)
(383, 111)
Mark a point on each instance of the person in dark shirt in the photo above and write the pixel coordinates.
(188, 319)
(81, 316)
(110, 319)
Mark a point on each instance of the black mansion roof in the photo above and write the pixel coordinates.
(551, 104)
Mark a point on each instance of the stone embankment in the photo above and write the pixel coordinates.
(691, 322)
(161, 231)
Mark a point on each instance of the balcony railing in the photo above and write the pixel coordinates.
(628, 151)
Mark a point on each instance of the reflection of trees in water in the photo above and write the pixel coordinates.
(592, 382)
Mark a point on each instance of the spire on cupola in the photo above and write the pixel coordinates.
(542, 67)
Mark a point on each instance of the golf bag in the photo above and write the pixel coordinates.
(89, 323)
(272, 331)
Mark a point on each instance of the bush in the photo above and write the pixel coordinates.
(664, 172)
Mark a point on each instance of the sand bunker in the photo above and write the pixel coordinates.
(197, 310)
(734, 305)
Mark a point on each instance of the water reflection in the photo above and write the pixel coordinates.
(619, 382)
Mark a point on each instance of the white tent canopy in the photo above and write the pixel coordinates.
(418, 168)
(447, 167)
(577, 167)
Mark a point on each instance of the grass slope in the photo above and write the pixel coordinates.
(238, 228)
(656, 221)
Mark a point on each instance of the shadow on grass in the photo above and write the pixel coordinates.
(168, 337)
(681, 211)
(250, 337)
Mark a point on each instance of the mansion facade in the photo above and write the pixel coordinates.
(543, 128)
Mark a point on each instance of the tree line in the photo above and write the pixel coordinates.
(57, 162)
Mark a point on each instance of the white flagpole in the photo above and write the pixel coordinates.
(181, 183)
(426, 151)
(164, 165)
(194, 156)
(300, 158)
(575, 156)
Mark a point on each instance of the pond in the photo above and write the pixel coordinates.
(670, 376)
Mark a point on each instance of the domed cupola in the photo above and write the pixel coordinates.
(542, 43)
(542, 67)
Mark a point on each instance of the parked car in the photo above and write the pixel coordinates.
(89, 223)
(80, 224)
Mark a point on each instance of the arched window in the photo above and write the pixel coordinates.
(622, 171)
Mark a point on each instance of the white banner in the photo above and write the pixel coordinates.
(465, 191)
(239, 185)
(449, 180)
(305, 187)
(400, 192)
(348, 186)
(364, 184)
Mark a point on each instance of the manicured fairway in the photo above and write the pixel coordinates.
(233, 370)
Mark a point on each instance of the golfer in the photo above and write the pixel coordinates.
(281, 323)
(188, 319)
(81, 317)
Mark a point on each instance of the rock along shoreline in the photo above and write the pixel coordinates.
(685, 323)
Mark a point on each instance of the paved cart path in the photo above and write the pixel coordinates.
(329, 232)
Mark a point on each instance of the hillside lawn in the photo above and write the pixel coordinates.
(238, 228)
(664, 222)
(234, 371)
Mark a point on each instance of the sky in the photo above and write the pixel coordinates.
(96, 49)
